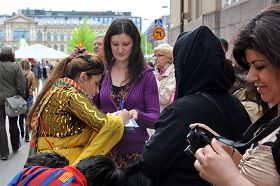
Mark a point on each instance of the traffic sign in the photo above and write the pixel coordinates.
(158, 22)
(158, 33)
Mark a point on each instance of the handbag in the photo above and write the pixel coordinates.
(15, 106)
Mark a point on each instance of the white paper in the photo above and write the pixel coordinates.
(131, 123)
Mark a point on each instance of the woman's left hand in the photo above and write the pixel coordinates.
(215, 165)
(133, 114)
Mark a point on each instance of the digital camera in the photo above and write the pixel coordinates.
(198, 137)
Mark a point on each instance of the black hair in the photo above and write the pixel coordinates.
(101, 171)
(47, 159)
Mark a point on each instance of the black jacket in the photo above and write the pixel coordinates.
(199, 62)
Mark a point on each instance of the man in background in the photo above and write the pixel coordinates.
(98, 47)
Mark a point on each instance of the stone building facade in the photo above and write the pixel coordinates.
(53, 28)
(223, 17)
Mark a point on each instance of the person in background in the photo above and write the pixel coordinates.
(256, 50)
(166, 76)
(26, 69)
(129, 84)
(98, 47)
(45, 72)
(250, 98)
(151, 64)
(37, 71)
(12, 82)
(49, 65)
(64, 120)
(199, 68)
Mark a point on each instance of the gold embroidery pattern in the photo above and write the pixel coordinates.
(66, 112)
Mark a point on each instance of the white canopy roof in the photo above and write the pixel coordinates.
(40, 52)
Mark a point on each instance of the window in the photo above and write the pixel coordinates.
(106, 20)
(39, 36)
(19, 34)
(228, 2)
(68, 36)
(2, 35)
(62, 48)
(55, 36)
(55, 47)
(48, 36)
(61, 37)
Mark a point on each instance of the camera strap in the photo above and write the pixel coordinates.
(216, 105)
(264, 126)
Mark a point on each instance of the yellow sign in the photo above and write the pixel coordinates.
(158, 33)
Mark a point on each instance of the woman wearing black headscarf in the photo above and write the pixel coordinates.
(199, 67)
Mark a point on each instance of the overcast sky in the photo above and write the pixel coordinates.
(147, 9)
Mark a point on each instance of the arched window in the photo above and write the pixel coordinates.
(68, 36)
(48, 36)
(61, 37)
(62, 48)
(39, 36)
(55, 47)
(55, 37)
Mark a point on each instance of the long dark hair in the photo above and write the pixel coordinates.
(70, 67)
(261, 33)
(136, 58)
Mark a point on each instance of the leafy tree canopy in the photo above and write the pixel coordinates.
(143, 45)
(82, 36)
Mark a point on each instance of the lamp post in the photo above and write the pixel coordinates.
(166, 24)
(146, 39)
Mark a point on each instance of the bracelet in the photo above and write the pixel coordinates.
(233, 151)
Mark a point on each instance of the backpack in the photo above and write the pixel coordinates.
(38, 175)
(26, 87)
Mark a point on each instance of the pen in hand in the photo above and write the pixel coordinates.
(122, 104)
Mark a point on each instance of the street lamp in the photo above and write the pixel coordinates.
(146, 39)
(166, 24)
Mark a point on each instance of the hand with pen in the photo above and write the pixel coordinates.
(124, 114)
(133, 113)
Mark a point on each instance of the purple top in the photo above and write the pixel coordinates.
(143, 97)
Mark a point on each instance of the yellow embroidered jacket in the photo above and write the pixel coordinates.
(68, 123)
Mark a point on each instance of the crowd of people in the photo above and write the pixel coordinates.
(194, 110)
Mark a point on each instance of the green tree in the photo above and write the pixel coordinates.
(143, 45)
(82, 36)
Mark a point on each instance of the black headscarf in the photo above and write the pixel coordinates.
(199, 63)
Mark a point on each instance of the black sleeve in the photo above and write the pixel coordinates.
(165, 146)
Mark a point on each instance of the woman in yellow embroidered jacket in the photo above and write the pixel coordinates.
(64, 120)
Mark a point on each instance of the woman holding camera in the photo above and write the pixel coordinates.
(199, 68)
(256, 50)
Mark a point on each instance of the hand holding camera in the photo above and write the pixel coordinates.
(197, 138)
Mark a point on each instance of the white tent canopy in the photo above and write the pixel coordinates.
(39, 52)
